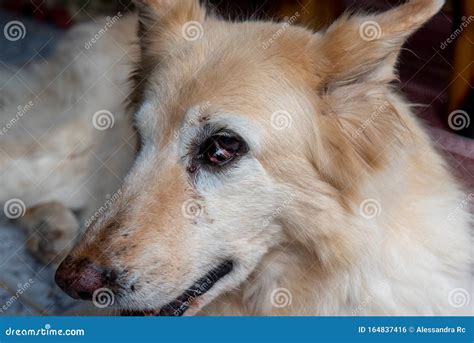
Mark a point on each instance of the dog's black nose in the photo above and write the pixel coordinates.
(79, 278)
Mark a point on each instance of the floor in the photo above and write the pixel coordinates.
(18, 295)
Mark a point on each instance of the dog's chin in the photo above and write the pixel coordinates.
(190, 297)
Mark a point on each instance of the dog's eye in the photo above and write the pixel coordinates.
(220, 149)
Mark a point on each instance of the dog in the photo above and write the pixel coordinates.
(66, 140)
(278, 173)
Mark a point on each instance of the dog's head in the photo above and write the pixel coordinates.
(253, 135)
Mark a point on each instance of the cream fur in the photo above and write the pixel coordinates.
(291, 212)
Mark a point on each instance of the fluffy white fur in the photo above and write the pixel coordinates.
(291, 212)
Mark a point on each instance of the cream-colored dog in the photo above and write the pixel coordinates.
(279, 173)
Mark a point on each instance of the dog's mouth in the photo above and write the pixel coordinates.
(181, 304)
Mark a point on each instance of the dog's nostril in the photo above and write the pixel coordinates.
(80, 278)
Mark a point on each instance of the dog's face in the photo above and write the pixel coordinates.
(238, 132)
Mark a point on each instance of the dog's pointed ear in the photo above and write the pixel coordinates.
(162, 26)
(359, 116)
(365, 48)
(167, 19)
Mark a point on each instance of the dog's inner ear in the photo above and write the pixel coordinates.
(358, 118)
(365, 48)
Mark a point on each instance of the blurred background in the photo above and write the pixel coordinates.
(436, 73)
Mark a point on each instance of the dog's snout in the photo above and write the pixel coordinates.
(80, 278)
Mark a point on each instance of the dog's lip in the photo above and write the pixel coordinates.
(181, 304)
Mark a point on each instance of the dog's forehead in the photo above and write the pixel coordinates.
(230, 58)
(235, 68)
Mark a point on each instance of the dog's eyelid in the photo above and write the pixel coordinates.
(213, 148)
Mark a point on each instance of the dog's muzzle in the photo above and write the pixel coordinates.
(182, 303)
